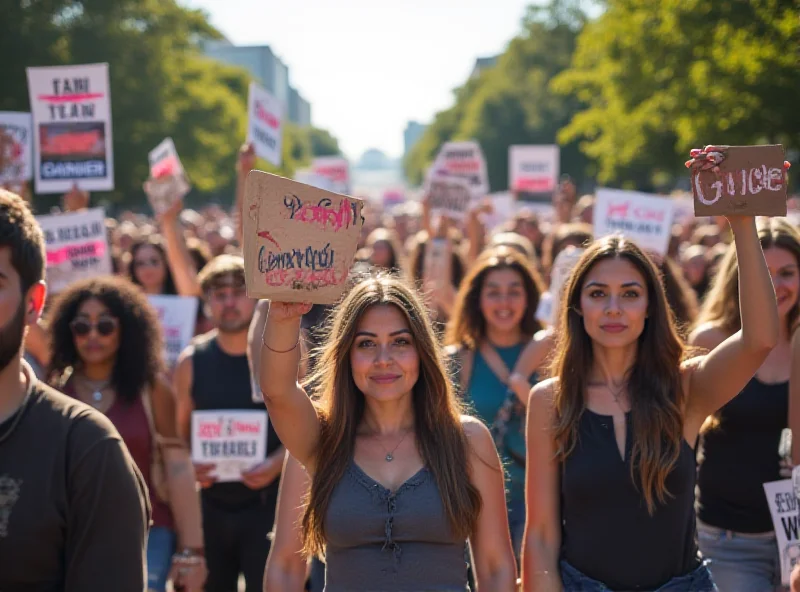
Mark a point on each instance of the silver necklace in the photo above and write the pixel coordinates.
(613, 393)
(97, 395)
(390, 454)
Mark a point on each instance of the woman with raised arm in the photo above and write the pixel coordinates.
(738, 448)
(400, 480)
(610, 437)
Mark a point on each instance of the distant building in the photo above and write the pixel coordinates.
(482, 64)
(267, 69)
(412, 134)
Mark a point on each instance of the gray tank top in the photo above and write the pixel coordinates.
(379, 541)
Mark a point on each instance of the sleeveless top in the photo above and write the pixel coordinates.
(222, 381)
(378, 540)
(741, 454)
(607, 532)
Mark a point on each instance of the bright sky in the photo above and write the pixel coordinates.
(369, 66)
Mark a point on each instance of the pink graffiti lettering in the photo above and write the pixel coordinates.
(325, 215)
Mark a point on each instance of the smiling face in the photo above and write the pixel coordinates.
(614, 302)
(783, 268)
(384, 358)
(503, 300)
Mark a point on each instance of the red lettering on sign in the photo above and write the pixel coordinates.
(266, 117)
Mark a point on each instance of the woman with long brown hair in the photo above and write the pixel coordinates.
(400, 480)
(738, 448)
(610, 437)
(492, 326)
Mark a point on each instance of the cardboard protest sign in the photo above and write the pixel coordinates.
(750, 182)
(167, 182)
(265, 127)
(16, 147)
(645, 219)
(71, 108)
(77, 247)
(463, 160)
(533, 171)
(783, 508)
(178, 316)
(449, 196)
(234, 441)
(334, 168)
(299, 241)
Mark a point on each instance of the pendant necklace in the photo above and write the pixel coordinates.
(390, 454)
(97, 394)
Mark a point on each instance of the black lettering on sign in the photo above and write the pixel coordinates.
(790, 527)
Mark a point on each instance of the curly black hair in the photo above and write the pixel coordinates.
(139, 359)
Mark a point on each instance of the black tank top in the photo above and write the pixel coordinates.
(222, 381)
(607, 532)
(739, 456)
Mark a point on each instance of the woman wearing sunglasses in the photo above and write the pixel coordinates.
(106, 351)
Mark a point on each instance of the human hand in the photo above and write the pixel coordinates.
(282, 312)
(188, 572)
(203, 474)
(247, 159)
(261, 475)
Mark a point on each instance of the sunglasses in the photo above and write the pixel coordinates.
(154, 262)
(104, 327)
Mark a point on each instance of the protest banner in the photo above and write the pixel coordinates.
(533, 171)
(167, 182)
(309, 177)
(643, 218)
(178, 316)
(299, 241)
(449, 196)
(234, 441)
(750, 182)
(783, 508)
(334, 168)
(71, 108)
(264, 125)
(463, 160)
(16, 147)
(77, 247)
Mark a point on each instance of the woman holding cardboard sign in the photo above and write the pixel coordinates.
(400, 480)
(611, 467)
(739, 445)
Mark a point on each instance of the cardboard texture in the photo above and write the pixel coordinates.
(299, 241)
(449, 196)
(750, 182)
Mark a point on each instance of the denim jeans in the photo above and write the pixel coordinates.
(697, 581)
(160, 549)
(741, 562)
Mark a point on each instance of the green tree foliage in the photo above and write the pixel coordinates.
(323, 143)
(659, 77)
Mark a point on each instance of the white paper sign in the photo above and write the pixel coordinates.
(463, 160)
(533, 169)
(77, 247)
(178, 316)
(449, 196)
(562, 269)
(16, 147)
(309, 177)
(167, 182)
(71, 107)
(643, 218)
(783, 508)
(233, 440)
(336, 169)
(264, 127)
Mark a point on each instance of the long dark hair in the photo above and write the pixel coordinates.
(440, 436)
(169, 288)
(654, 380)
(139, 358)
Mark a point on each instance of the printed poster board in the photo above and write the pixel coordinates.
(265, 126)
(167, 183)
(334, 168)
(449, 196)
(643, 218)
(299, 241)
(77, 247)
(750, 182)
(16, 147)
(72, 140)
(178, 316)
(783, 508)
(234, 441)
(463, 160)
(533, 171)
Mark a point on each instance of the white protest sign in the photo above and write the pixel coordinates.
(233, 440)
(449, 196)
(71, 107)
(16, 147)
(167, 182)
(264, 126)
(783, 508)
(77, 247)
(463, 160)
(178, 316)
(336, 169)
(533, 169)
(504, 207)
(643, 218)
(562, 269)
(309, 177)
